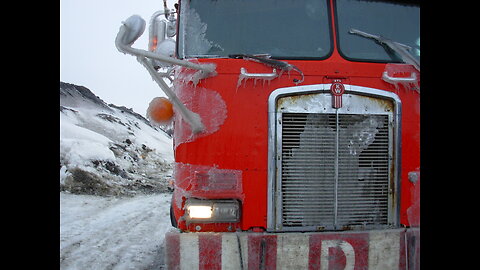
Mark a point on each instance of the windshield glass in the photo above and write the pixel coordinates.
(395, 20)
(284, 29)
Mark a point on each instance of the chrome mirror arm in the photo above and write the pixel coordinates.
(123, 41)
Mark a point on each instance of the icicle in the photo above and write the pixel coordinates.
(244, 76)
(281, 65)
(392, 72)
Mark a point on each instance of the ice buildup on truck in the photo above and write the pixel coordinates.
(296, 131)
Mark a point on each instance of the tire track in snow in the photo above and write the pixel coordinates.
(108, 233)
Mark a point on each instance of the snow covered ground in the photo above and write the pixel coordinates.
(113, 233)
(115, 168)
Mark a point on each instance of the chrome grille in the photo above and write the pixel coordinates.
(334, 170)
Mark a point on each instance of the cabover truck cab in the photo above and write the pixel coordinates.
(296, 132)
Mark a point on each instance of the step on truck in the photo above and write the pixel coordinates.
(296, 131)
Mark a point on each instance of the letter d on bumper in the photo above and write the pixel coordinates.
(376, 249)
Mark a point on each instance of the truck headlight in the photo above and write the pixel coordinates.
(199, 211)
(212, 211)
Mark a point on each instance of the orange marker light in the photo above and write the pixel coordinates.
(160, 110)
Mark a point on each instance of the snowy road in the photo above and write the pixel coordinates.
(113, 233)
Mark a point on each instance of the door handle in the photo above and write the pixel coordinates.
(411, 79)
(245, 74)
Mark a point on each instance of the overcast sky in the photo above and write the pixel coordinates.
(88, 55)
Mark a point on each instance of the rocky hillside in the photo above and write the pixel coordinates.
(109, 150)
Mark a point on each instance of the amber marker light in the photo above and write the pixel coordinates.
(160, 110)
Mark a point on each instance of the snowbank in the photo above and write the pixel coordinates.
(109, 150)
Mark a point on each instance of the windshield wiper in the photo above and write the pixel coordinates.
(265, 59)
(399, 48)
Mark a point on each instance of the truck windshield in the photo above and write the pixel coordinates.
(284, 29)
(398, 21)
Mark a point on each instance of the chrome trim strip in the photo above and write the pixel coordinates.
(273, 193)
(335, 207)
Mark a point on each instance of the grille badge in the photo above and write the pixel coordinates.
(337, 89)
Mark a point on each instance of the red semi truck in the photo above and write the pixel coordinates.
(296, 131)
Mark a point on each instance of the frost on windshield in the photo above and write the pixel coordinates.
(196, 42)
(221, 28)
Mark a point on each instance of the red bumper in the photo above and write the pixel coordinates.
(378, 249)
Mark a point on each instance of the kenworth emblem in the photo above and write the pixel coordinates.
(337, 89)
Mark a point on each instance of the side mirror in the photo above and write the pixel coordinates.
(160, 33)
(135, 26)
(156, 32)
(132, 29)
